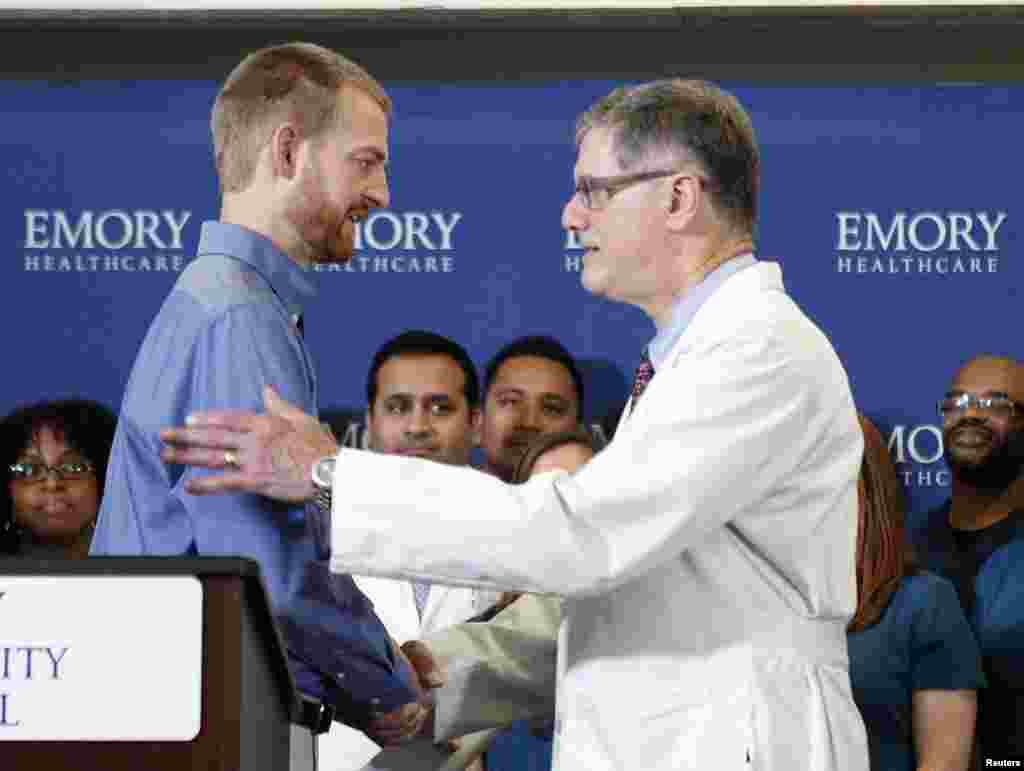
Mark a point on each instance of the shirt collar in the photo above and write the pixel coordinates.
(290, 281)
(686, 307)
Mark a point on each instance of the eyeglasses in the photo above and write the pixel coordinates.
(37, 472)
(595, 192)
(996, 405)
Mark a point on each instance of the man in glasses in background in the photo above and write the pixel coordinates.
(976, 538)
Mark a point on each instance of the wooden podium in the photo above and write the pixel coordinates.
(247, 695)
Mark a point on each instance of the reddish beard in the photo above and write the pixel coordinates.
(339, 235)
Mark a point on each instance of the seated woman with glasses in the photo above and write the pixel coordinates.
(53, 456)
(914, 664)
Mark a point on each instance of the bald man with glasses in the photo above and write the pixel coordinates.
(976, 537)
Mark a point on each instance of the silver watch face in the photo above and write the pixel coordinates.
(323, 472)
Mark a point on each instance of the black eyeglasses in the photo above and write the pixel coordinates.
(596, 192)
(37, 472)
(996, 405)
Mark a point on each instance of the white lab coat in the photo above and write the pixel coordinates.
(706, 555)
(347, 749)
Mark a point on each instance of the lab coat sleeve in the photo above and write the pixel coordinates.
(713, 435)
(497, 671)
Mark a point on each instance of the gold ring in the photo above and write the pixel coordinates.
(231, 460)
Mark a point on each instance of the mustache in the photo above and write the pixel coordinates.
(965, 424)
(521, 437)
(418, 448)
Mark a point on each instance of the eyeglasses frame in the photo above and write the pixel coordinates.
(57, 470)
(586, 186)
(983, 403)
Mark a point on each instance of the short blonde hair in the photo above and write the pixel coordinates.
(297, 81)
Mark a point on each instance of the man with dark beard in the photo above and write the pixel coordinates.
(976, 538)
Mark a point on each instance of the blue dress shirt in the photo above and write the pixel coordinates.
(686, 308)
(226, 330)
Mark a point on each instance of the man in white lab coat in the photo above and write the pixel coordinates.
(423, 400)
(706, 556)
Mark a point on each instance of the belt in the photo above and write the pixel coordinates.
(313, 714)
(820, 640)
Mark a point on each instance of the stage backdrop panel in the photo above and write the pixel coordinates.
(894, 212)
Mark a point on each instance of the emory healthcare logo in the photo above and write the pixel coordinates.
(406, 242)
(89, 241)
(924, 242)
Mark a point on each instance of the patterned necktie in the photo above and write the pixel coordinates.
(642, 376)
(420, 590)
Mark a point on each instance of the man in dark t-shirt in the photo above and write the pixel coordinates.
(976, 538)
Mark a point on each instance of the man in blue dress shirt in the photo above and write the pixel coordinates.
(300, 137)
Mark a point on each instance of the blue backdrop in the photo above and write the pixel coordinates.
(892, 211)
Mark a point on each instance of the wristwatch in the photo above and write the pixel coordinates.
(323, 482)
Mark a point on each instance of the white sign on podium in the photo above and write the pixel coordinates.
(100, 658)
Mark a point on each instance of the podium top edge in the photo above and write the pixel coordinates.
(132, 566)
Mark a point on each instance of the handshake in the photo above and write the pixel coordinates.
(415, 719)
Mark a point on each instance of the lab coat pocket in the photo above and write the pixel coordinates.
(673, 737)
(717, 734)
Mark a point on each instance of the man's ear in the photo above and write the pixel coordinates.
(285, 143)
(685, 199)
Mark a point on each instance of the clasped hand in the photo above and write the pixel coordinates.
(414, 719)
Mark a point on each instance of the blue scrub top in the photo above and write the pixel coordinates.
(987, 567)
(921, 642)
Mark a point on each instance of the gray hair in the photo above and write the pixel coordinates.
(692, 120)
